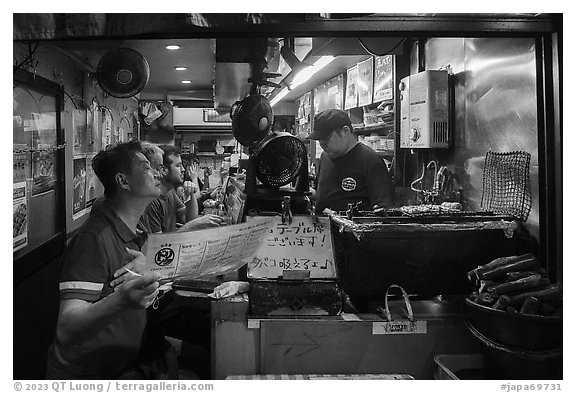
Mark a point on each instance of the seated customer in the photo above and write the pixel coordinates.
(163, 214)
(100, 331)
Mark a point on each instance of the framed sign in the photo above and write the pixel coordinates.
(365, 81)
(383, 78)
(351, 100)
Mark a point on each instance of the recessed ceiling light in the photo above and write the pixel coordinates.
(186, 81)
(180, 68)
(172, 47)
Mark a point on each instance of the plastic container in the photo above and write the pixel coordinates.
(453, 366)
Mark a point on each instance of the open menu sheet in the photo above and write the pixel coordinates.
(211, 251)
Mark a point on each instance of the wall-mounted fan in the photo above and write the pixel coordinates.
(122, 72)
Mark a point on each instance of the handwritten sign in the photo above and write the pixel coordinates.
(206, 252)
(304, 244)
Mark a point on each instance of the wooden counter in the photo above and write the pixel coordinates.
(344, 344)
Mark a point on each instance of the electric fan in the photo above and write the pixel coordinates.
(122, 72)
(276, 158)
(252, 119)
(279, 158)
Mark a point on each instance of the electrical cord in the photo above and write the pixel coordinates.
(402, 40)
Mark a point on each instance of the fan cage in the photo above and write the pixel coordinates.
(279, 159)
(245, 116)
(117, 61)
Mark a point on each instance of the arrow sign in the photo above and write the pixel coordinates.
(305, 347)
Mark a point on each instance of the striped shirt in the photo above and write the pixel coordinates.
(89, 262)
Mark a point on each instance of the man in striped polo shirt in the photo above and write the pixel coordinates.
(100, 330)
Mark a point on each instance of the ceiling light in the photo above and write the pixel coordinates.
(302, 77)
(279, 96)
(185, 82)
(180, 68)
(307, 73)
(172, 47)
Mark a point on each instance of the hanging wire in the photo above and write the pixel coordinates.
(127, 121)
(31, 95)
(383, 54)
(107, 109)
(29, 58)
(71, 99)
(387, 138)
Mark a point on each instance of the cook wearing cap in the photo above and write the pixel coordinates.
(348, 171)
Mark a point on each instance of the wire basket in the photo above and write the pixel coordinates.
(506, 184)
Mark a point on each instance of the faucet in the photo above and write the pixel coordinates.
(429, 166)
(441, 178)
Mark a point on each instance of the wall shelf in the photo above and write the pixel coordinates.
(375, 129)
(208, 154)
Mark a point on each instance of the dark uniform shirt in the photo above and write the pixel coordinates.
(89, 262)
(358, 176)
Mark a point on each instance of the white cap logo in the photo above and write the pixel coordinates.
(348, 184)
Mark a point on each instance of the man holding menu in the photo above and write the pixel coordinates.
(100, 330)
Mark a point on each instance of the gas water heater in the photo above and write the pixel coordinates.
(424, 107)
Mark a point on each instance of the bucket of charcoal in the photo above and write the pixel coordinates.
(516, 313)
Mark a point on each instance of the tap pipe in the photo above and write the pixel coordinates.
(429, 166)
(440, 178)
(419, 180)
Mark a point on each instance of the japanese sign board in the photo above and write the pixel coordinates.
(304, 244)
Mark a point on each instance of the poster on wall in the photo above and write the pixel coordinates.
(79, 193)
(43, 174)
(90, 131)
(105, 128)
(21, 163)
(365, 82)
(383, 76)
(91, 180)
(79, 121)
(43, 132)
(20, 216)
(334, 93)
(320, 98)
(351, 100)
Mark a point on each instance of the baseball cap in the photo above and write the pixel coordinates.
(327, 121)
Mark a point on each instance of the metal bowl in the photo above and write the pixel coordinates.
(520, 331)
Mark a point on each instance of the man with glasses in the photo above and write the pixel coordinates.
(348, 171)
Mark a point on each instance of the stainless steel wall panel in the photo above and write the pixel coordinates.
(495, 107)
